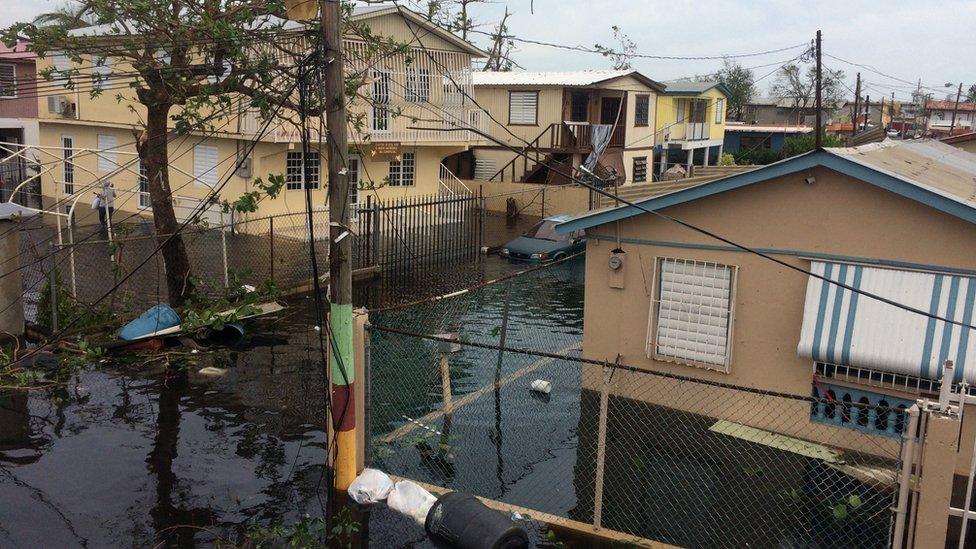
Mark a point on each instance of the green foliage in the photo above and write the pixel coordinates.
(794, 83)
(70, 310)
(308, 532)
(728, 159)
(741, 84)
(802, 143)
(236, 302)
(248, 202)
(757, 157)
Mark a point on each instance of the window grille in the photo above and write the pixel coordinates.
(402, 171)
(523, 107)
(144, 199)
(68, 168)
(484, 168)
(107, 155)
(381, 101)
(8, 81)
(719, 110)
(693, 314)
(294, 174)
(205, 164)
(418, 85)
(640, 169)
(642, 110)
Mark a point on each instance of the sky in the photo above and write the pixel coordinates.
(934, 40)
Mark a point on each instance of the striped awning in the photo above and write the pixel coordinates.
(846, 328)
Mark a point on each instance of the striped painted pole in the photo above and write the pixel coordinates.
(343, 394)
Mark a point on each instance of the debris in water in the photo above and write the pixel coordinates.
(211, 371)
(541, 386)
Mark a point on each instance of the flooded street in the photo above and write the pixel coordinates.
(137, 458)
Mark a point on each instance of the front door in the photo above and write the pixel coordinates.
(609, 107)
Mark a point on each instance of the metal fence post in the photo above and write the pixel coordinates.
(482, 220)
(601, 448)
(54, 293)
(367, 391)
(375, 218)
(271, 229)
(223, 247)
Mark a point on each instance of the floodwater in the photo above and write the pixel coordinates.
(138, 456)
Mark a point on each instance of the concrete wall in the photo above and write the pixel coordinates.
(532, 199)
(24, 105)
(836, 215)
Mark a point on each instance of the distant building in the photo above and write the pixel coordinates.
(782, 111)
(557, 114)
(966, 141)
(873, 114)
(18, 114)
(690, 124)
(759, 137)
(940, 117)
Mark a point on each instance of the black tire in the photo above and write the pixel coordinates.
(559, 255)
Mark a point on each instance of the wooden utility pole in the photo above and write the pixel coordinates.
(952, 126)
(857, 104)
(818, 100)
(342, 369)
(867, 111)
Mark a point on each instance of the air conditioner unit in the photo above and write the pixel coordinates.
(243, 168)
(57, 104)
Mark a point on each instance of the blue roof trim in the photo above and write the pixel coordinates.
(784, 167)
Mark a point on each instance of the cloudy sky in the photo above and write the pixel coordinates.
(934, 40)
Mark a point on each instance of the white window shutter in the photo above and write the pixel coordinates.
(522, 107)
(205, 164)
(694, 312)
(107, 155)
(484, 168)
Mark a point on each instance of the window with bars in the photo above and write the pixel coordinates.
(523, 108)
(642, 109)
(418, 85)
(68, 167)
(640, 169)
(402, 171)
(101, 71)
(719, 110)
(293, 171)
(381, 101)
(579, 108)
(352, 173)
(8, 80)
(692, 318)
(144, 200)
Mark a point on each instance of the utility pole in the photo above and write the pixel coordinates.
(952, 126)
(867, 111)
(342, 369)
(818, 99)
(857, 104)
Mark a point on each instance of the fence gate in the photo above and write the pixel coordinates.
(411, 234)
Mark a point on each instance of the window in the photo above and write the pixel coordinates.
(679, 105)
(523, 108)
(101, 71)
(719, 110)
(293, 170)
(642, 110)
(381, 101)
(8, 81)
(402, 171)
(353, 174)
(205, 164)
(579, 108)
(144, 201)
(62, 69)
(640, 169)
(484, 168)
(418, 85)
(693, 317)
(68, 168)
(107, 154)
(754, 143)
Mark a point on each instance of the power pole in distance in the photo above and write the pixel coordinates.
(857, 104)
(818, 99)
(952, 126)
(342, 370)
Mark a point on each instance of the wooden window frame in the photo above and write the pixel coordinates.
(536, 122)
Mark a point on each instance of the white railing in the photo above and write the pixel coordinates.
(450, 184)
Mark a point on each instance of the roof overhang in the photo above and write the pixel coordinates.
(718, 85)
(820, 158)
(417, 19)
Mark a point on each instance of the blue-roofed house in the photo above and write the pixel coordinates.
(892, 219)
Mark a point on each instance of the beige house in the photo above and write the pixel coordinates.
(665, 298)
(555, 118)
(90, 139)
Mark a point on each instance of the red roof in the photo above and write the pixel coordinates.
(949, 105)
(961, 138)
(20, 51)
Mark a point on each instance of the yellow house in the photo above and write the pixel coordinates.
(86, 140)
(553, 117)
(690, 125)
(682, 303)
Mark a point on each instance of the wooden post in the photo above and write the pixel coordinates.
(601, 448)
(939, 449)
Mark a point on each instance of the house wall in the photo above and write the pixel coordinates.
(733, 140)
(495, 100)
(533, 199)
(23, 105)
(968, 146)
(839, 215)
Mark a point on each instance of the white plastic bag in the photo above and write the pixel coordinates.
(96, 202)
(408, 498)
(371, 486)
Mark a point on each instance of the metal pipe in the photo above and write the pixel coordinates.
(917, 458)
(905, 482)
(367, 390)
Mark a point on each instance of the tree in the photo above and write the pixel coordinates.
(70, 16)
(803, 143)
(793, 83)
(741, 84)
(971, 94)
(454, 15)
(625, 52)
(500, 52)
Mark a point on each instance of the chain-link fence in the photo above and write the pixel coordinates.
(663, 457)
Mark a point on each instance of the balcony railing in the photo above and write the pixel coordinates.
(432, 125)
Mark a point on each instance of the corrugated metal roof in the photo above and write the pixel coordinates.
(530, 78)
(689, 86)
(925, 163)
(846, 328)
(771, 128)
